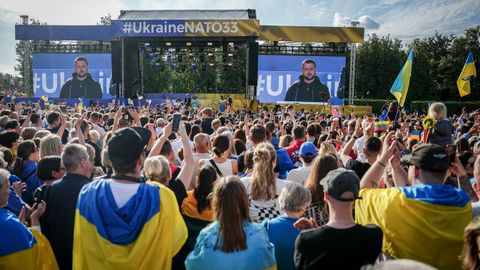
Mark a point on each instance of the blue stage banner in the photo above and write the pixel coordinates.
(52, 70)
(279, 74)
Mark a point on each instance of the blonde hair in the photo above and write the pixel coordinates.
(94, 135)
(152, 168)
(327, 148)
(50, 145)
(285, 141)
(263, 177)
(438, 110)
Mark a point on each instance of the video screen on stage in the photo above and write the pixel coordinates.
(285, 79)
(72, 75)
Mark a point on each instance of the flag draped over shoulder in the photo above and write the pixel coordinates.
(463, 81)
(145, 233)
(408, 223)
(400, 86)
(21, 248)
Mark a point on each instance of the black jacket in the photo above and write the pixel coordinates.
(58, 220)
(74, 88)
(308, 92)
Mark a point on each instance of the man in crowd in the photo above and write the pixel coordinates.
(57, 124)
(82, 84)
(123, 222)
(298, 133)
(61, 198)
(308, 88)
(341, 243)
(425, 221)
(308, 153)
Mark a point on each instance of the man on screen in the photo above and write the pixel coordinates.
(309, 88)
(81, 84)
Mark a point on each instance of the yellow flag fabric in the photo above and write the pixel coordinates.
(400, 86)
(463, 81)
(21, 248)
(414, 229)
(105, 239)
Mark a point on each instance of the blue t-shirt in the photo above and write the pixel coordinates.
(283, 235)
(15, 204)
(258, 255)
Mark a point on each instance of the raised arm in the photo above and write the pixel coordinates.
(63, 125)
(345, 153)
(78, 128)
(157, 147)
(373, 176)
(186, 172)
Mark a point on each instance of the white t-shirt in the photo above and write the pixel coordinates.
(176, 145)
(299, 175)
(122, 192)
(358, 147)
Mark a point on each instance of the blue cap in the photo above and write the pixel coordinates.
(308, 149)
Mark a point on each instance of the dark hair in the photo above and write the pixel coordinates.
(239, 146)
(312, 129)
(240, 134)
(462, 145)
(46, 165)
(373, 145)
(7, 155)
(7, 138)
(221, 143)
(258, 133)
(298, 132)
(230, 201)
(309, 61)
(52, 117)
(24, 150)
(11, 124)
(202, 193)
(194, 131)
(80, 58)
(166, 148)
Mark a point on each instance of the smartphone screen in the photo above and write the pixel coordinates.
(451, 152)
(176, 122)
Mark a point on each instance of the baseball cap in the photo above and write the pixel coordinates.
(128, 143)
(339, 181)
(429, 157)
(308, 149)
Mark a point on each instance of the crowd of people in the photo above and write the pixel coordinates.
(275, 188)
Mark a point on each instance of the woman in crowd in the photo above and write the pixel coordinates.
(222, 164)
(233, 240)
(441, 133)
(51, 145)
(49, 170)
(471, 250)
(25, 167)
(262, 186)
(318, 209)
(196, 208)
(294, 200)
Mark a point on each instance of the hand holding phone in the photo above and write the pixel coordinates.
(176, 122)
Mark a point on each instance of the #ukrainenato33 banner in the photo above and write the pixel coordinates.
(52, 70)
(279, 74)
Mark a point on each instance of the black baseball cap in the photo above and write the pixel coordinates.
(128, 143)
(339, 181)
(430, 157)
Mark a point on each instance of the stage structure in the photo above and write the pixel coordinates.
(144, 41)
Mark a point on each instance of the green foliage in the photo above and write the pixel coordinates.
(438, 62)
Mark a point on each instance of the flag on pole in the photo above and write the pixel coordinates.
(400, 86)
(463, 81)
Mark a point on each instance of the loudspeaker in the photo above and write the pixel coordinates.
(131, 69)
(252, 63)
(116, 62)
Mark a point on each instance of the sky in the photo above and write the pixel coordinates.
(402, 19)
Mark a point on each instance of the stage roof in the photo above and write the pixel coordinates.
(231, 14)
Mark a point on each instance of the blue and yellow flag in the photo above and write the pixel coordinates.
(21, 248)
(400, 86)
(145, 233)
(430, 216)
(463, 81)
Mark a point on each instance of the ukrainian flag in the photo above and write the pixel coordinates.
(428, 230)
(21, 248)
(145, 233)
(400, 86)
(463, 81)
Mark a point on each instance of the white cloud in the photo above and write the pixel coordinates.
(423, 18)
(365, 21)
